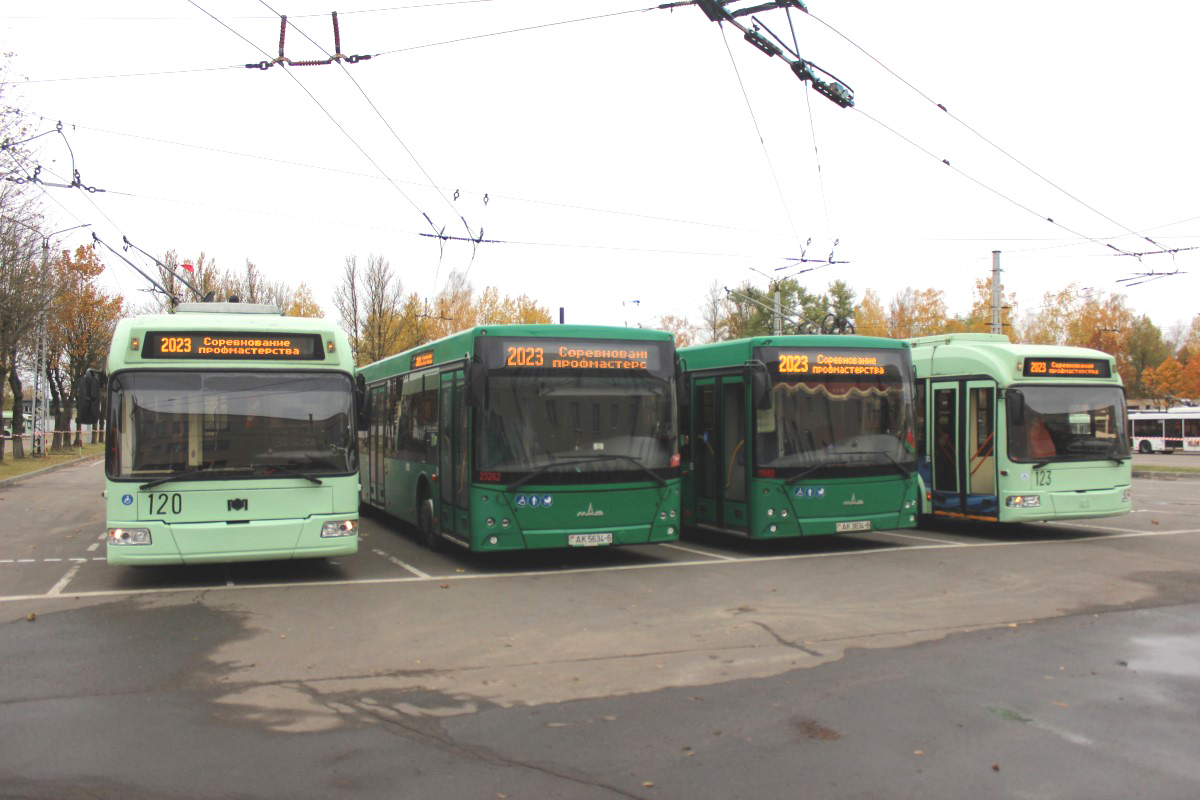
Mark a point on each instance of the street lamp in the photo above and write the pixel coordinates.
(42, 404)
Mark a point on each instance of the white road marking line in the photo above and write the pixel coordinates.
(51, 559)
(79, 560)
(62, 584)
(401, 564)
(101, 536)
(99, 558)
(922, 538)
(719, 556)
(890, 551)
(7, 561)
(93, 546)
(26, 560)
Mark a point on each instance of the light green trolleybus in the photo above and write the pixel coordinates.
(507, 437)
(1019, 432)
(799, 435)
(231, 437)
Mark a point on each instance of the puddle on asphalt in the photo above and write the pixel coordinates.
(1167, 655)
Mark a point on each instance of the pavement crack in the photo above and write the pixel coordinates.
(435, 735)
(785, 642)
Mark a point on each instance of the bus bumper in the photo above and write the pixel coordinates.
(1073, 505)
(222, 542)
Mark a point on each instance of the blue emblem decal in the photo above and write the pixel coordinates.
(548, 500)
(522, 500)
(534, 501)
(127, 499)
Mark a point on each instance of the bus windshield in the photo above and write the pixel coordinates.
(226, 423)
(1066, 423)
(575, 427)
(836, 412)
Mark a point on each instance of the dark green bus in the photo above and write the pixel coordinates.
(508, 437)
(799, 435)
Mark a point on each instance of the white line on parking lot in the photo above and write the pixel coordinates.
(708, 562)
(719, 556)
(62, 583)
(401, 564)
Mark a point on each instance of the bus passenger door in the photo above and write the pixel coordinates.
(374, 459)
(980, 450)
(453, 475)
(944, 435)
(734, 454)
(706, 462)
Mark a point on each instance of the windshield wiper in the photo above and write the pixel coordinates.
(512, 487)
(288, 471)
(888, 456)
(801, 475)
(187, 475)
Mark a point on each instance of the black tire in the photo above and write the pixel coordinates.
(433, 540)
(1145, 448)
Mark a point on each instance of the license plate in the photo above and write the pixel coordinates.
(588, 539)
(859, 525)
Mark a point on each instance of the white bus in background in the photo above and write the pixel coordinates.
(1165, 431)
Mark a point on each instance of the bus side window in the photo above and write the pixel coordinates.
(919, 413)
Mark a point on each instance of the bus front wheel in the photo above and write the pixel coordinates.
(1145, 448)
(429, 532)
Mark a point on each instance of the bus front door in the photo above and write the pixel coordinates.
(705, 444)
(981, 498)
(734, 454)
(453, 475)
(374, 459)
(964, 448)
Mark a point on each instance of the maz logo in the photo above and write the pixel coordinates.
(591, 512)
(238, 504)
(853, 501)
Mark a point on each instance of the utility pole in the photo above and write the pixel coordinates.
(778, 312)
(997, 326)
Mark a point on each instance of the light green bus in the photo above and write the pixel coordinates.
(1019, 432)
(231, 437)
(510, 437)
(799, 435)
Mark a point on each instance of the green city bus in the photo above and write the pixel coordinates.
(231, 437)
(799, 435)
(509, 437)
(1019, 432)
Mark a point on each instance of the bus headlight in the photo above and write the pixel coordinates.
(1023, 501)
(129, 536)
(344, 527)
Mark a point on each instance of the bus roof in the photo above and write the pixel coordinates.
(235, 318)
(994, 355)
(458, 345)
(738, 351)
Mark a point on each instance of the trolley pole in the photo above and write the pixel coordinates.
(997, 327)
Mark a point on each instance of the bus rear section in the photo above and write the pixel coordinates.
(529, 437)
(211, 460)
(799, 436)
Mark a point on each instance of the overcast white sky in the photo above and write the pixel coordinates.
(619, 156)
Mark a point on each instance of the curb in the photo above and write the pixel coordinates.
(51, 468)
(1166, 476)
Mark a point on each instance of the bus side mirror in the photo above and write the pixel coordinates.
(1016, 406)
(683, 394)
(362, 402)
(476, 384)
(760, 385)
(89, 396)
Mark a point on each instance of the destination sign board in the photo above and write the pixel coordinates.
(834, 364)
(577, 354)
(225, 346)
(1051, 367)
(423, 359)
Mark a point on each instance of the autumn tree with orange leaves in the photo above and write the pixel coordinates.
(81, 322)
